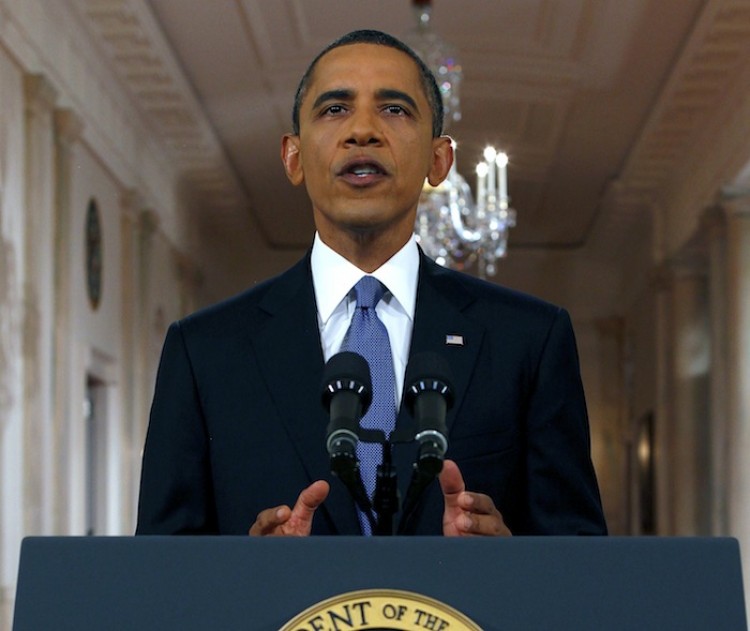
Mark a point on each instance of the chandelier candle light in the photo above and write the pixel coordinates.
(450, 227)
(454, 230)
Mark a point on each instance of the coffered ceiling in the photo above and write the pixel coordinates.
(592, 99)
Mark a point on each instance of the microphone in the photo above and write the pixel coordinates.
(347, 393)
(428, 397)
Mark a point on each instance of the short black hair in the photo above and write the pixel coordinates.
(367, 36)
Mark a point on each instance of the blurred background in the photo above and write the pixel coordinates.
(140, 179)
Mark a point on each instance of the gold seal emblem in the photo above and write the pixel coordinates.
(380, 610)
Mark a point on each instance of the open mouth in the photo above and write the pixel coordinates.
(362, 171)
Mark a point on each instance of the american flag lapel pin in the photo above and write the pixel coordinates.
(454, 340)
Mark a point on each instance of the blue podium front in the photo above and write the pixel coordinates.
(345, 583)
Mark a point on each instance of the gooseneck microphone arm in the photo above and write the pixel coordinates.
(386, 499)
(347, 393)
(428, 396)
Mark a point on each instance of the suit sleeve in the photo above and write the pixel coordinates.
(563, 495)
(176, 494)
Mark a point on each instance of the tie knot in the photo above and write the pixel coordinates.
(369, 290)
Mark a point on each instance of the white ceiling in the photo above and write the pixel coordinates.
(562, 86)
(594, 100)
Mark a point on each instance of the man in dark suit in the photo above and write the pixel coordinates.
(237, 432)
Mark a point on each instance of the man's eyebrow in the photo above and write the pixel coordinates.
(384, 94)
(341, 94)
(397, 95)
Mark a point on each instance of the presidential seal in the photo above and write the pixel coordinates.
(380, 610)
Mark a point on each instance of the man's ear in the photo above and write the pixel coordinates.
(442, 159)
(291, 158)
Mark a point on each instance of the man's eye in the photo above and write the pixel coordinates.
(395, 109)
(333, 109)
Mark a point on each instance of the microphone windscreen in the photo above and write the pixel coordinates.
(428, 371)
(346, 371)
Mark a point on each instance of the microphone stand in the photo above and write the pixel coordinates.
(347, 470)
(420, 480)
(386, 499)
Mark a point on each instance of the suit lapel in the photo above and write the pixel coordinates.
(291, 359)
(441, 302)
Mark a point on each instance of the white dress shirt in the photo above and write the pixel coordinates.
(333, 281)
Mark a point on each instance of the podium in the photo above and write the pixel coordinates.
(261, 584)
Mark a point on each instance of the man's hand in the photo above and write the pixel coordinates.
(467, 513)
(283, 521)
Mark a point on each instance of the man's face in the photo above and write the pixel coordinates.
(365, 144)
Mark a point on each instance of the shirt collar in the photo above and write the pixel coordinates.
(334, 276)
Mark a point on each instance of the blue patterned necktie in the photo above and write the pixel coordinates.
(368, 336)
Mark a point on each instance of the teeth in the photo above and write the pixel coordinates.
(364, 170)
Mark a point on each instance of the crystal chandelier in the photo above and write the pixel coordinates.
(451, 227)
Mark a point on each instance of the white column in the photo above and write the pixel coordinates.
(738, 334)
(601, 346)
(691, 398)
(664, 412)
(38, 305)
(68, 127)
(715, 229)
(738, 377)
(12, 276)
(148, 230)
(138, 228)
(190, 281)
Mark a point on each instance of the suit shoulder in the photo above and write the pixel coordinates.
(483, 294)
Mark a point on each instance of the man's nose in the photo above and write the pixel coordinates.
(364, 129)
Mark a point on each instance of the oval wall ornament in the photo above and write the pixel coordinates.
(380, 610)
(94, 255)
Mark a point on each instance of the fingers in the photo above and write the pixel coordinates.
(468, 513)
(307, 502)
(477, 503)
(297, 521)
(451, 482)
(481, 517)
(455, 519)
(270, 520)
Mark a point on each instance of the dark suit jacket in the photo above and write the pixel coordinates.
(237, 424)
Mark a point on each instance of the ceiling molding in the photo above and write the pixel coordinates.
(696, 89)
(138, 52)
(700, 106)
